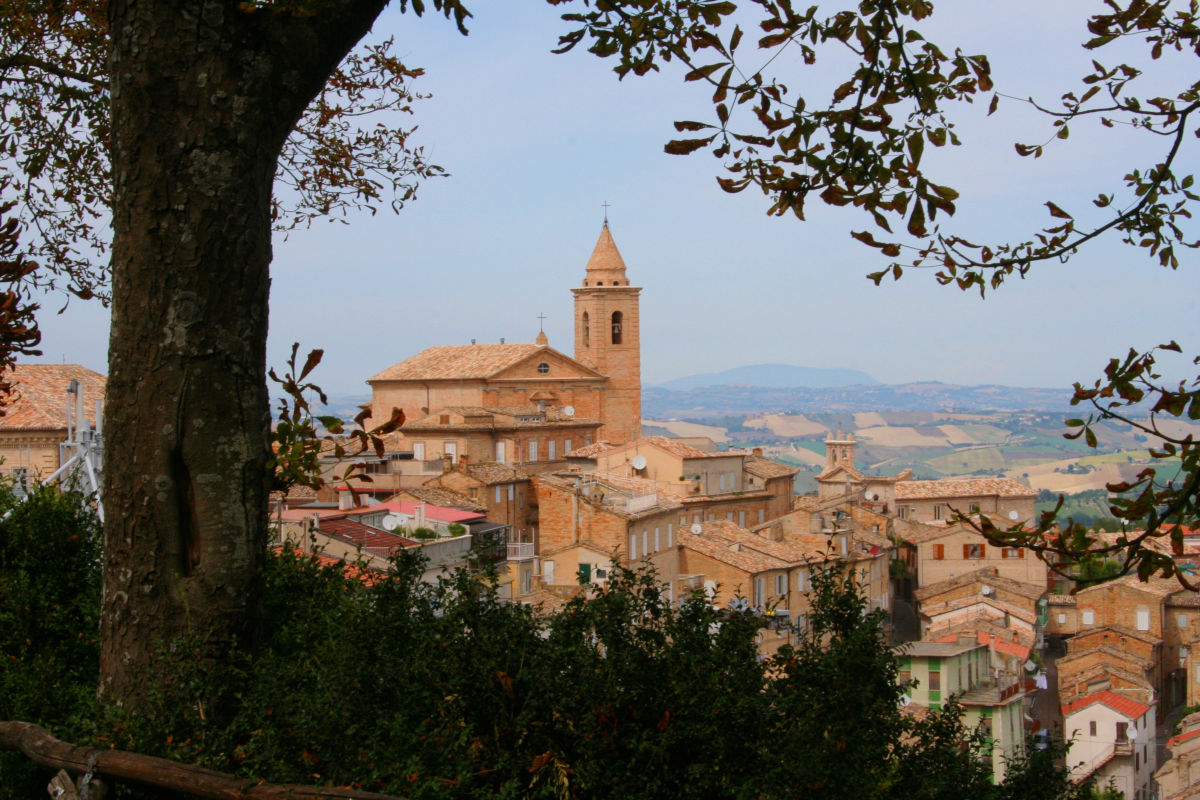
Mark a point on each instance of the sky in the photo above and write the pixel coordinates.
(536, 142)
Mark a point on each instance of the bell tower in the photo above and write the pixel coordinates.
(608, 338)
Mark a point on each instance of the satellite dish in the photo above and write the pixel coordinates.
(905, 700)
(697, 528)
(1013, 515)
(987, 591)
(1131, 733)
(568, 411)
(391, 521)
(639, 462)
(1030, 665)
(739, 604)
(872, 496)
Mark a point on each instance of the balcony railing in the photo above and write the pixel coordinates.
(520, 551)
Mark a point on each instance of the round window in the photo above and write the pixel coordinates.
(543, 368)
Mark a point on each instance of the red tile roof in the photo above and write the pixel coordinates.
(1183, 737)
(1122, 705)
(40, 399)
(360, 535)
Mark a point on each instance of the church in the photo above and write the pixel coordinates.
(527, 404)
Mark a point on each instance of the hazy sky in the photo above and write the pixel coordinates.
(536, 142)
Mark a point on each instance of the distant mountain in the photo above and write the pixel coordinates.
(773, 376)
(712, 401)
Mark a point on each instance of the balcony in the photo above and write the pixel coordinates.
(520, 551)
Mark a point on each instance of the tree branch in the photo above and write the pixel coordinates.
(38, 745)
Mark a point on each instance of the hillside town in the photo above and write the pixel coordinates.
(533, 459)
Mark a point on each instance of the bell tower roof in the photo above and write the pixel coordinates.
(605, 267)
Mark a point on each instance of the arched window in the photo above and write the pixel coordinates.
(616, 327)
(587, 331)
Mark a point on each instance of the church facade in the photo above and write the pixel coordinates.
(528, 403)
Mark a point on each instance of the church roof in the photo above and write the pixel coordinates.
(606, 265)
(457, 362)
(39, 401)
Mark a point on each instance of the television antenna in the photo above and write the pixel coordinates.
(81, 454)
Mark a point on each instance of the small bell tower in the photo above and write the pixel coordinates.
(608, 338)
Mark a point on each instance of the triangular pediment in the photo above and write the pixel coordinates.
(559, 365)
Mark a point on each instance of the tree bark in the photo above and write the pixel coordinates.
(149, 771)
(204, 94)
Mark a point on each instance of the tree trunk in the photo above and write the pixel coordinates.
(204, 94)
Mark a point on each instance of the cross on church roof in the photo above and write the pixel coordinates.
(605, 205)
(541, 320)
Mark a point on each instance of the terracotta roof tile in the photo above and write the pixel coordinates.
(590, 451)
(359, 535)
(766, 468)
(40, 398)
(985, 575)
(432, 495)
(457, 362)
(674, 447)
(962, 487)
(494, 472)
(1122, 705)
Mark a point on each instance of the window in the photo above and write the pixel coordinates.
(801, 580)
(973, 551)
(1181, 621)
(761, 514)
(935, 680)
(1062, 619)
(587, 333)
(729, 516)
(645, 542)
(566, 446)
(550, 449)
(657, 544)
(451, 450)
(497, 493)
(1012, 552)
(974, 508)
(533, 449)
(616, 327)
(510, 492)
(1143, 620)
(633, 553)
(742, 518)
(721, 481)
(1122, 731)
(937, 511)
(670, 529)
(1092, 728)
(500, 452)
(903, 512)
(939, 552)
(418, 451)
(781, 584)
(760, 591)
(543, 368)
(1088, 617)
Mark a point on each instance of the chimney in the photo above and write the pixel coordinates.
(462, 462)
(757, 451)
(447, 463)
(345, 499)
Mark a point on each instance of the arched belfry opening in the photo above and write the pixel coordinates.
(585, 322)
(616, 327)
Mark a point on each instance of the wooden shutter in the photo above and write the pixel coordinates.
(966, 551)
(939, 551)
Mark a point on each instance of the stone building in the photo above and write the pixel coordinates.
(528, 403)
(35, 415)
